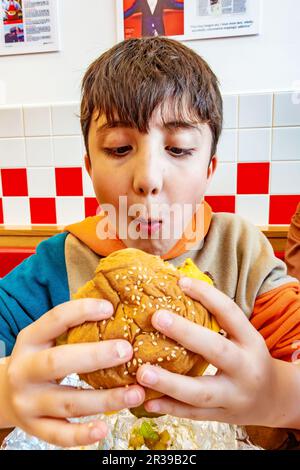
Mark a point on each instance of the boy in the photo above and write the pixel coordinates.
(151, 116)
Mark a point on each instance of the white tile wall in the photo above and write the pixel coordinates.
(39, 151)
(65, 120)
(224, 180)
(256, 110)
(12, 153)
(88, 189)
(230, 111)
(287, 109)
(228, 145)
(286, 143)
(285, 178)
(37, 120)
(254, 208)
(254, 145)
(11, 121)
(41, 182)
(16, 210)
(67, 151)
(69, 209)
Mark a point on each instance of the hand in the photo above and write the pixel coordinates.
(244, 389)
(37, 404)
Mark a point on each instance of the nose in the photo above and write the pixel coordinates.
(148, 176)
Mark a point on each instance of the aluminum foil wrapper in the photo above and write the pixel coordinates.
(185, 434)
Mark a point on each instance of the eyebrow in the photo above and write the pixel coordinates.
(169, 126)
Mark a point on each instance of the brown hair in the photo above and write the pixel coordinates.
(136, 76)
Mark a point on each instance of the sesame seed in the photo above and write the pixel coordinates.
(125, 328)
(157, 307)
(136, 349)
(184, 353)
(134, 362)
(130, 272)
(177, 309)
(133, 373)
(132, 297)
(126, 372)
(173, 354)
(140, 361)
(140, 269)
(140, 276)
(176, 347)
(124, 277)
(140, 343)
(179, 297)
(126, 335)
(165, 277)
(123, 318)
(145, 276)
(173, 307)
(141, 289)
(135, 286)
(126, 302)
(162, 284)
(150, 305)
(128, 363)
(134, 268)
(168, 358)
(138, 297)
(117, 277)
(193, 312)
(143, 306)
(166, 348)
(159, 299)
(138, 282)
(127, 288)
(160, 359)
(104, 322)
(154, 343)
(189, 302)
(138, 330)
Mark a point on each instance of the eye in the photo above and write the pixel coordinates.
(179, 152)
(118, 151)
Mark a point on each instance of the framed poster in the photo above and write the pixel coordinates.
(187, 19)
(28, 26)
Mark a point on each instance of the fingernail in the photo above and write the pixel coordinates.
(96, 433)
(149, 377)
(153, 407)
(185, 282)
(105, 307)
(132, 397)
(123, 349)
(164, 319)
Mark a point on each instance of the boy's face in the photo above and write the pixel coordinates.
(167, 166)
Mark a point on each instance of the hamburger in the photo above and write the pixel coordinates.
(138, 284)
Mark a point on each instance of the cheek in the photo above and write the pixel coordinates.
(108, 184)
(189, 184)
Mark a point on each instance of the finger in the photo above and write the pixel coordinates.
(54, 363)
(64, 434)
(206, 392)
(181, 410)
(63, 317)
(60, 402)
(215, 348)
(226, 311)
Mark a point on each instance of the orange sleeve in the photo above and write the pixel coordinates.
(276, 315)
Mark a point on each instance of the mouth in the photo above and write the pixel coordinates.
(148, 225)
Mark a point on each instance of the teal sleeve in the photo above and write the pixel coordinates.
(31, 289)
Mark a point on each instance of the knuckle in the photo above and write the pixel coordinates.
(51, 363)
(17, 402)
(14, 376)
(70, 409)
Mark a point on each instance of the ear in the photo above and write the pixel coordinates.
(212, 168)
(87, 164)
